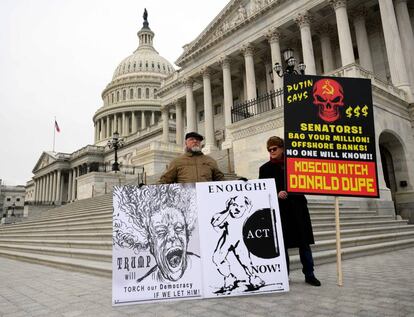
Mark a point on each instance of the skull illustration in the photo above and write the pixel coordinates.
(328, 95)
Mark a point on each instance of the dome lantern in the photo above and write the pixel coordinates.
(145, 35)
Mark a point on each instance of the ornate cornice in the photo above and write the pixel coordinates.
(188, 82)
(303, 19)
(247, 49)
(232, 18)
(336, 4)
(225, 62)
(205, 72)
(273, 35)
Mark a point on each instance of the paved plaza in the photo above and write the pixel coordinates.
(379, 285)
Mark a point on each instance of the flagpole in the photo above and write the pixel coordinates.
(54, 134)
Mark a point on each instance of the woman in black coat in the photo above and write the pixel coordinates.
(294, 213)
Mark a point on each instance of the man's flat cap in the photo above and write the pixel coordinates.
(194, 135)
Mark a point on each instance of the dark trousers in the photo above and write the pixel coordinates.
(306, 258)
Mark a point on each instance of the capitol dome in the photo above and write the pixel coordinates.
(145, 58)
(131, 106)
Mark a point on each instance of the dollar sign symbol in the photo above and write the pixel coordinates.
(349, 112)
(365, 111)
(356, 111)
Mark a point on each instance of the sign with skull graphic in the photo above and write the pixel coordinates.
(328, 95)
(330, 136)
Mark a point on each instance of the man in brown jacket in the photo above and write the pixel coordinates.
(193, 166)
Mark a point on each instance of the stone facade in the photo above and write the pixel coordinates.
(230, 64)
(339, 38)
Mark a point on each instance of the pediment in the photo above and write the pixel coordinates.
(45, 159)
(232, 17)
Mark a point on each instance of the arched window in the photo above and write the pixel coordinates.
(124, 94)
(147, 93)
(117, 96)
(155, 93)
(139, 93)
(131, 93)
(112, 98)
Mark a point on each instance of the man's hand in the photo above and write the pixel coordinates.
(282, 194)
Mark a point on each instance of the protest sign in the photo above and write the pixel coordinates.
(243, 250)
(184, 241)
(330, 136)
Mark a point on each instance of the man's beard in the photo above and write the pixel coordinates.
(194, 149)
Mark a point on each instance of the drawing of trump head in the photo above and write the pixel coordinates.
(168, 235)
(162, 219)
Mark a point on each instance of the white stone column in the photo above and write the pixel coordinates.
(58, 197)
(190, 106)
(227, 90)
(143, 121)
(70, 185)
(53, 186)
(96, 126)
(35, 191)
(120, 125)
(165, 123)
(344, 32)
(364, 50)
(179, 123)
(326, 48)
(75, 174)
(250, 74)
(124, 131)
(41, 189)
(407, 37)
(134, 122)
(227, 100)
(47, 198)
(208, 112)
(108, 127)
(152, 118)
(44, 188)
(273, 38)
(304, 20)
(393, 46)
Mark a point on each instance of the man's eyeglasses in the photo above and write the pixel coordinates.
(273, 149)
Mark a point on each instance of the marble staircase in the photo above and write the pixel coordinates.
(78, 236)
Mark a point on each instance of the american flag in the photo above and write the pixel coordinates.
(57, 126)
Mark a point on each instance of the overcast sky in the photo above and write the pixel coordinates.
(56, 57)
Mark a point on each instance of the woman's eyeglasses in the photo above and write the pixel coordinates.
(272, 149)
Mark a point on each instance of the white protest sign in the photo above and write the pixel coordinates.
(184, 241)
(241, 238)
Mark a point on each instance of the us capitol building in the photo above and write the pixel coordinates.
(225, 88)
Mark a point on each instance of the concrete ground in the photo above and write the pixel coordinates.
(379, 285)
